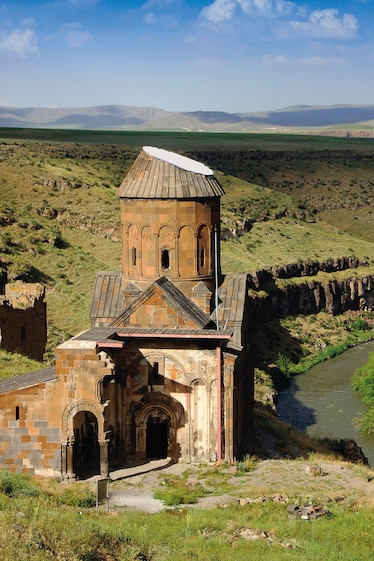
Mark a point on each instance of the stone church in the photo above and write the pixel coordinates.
(165, 369)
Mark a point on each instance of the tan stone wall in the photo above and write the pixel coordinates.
(29, 436)
(35, 421)
(182, 228)
(173, 379)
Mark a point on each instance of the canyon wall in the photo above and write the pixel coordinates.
(272, 296)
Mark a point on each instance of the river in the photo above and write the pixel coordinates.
(322, 403)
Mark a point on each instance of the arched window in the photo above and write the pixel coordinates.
(17, 412)
(165, 259)
(133, 256)
(203, 250)
(202, 257)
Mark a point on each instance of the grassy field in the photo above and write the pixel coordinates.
(302, 197)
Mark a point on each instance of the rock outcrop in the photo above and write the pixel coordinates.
(310, 296)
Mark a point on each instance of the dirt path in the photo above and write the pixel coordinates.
(133, 488)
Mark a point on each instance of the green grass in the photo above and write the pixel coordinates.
(43, 521)
(286, 241)
(12, 364)
(363, 383)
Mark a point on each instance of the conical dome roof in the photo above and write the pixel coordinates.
(160, 174)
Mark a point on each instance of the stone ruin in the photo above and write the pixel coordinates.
(23, 319)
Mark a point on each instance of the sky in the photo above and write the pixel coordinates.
(238, 56)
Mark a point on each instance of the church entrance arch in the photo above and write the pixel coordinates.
(84, 445)
(156, 430)
(86, 451)
(157, 434)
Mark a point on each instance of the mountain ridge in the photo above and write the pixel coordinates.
(127, 117)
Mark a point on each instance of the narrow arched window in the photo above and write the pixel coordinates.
(17, 413)
(165, 259)
(202, 257)
(133, 256)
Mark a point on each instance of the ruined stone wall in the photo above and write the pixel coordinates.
(23, 320)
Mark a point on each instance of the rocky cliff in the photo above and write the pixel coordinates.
(272, 298)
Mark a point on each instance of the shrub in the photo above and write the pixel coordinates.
(248, 463)
(18, 485)
(77, 495)
(179, 492)
(360, 325)
(284, 363)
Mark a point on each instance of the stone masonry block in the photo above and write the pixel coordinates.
(40, 423)
(52, 434)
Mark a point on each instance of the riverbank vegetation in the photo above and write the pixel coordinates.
(292, 345)
(363, 382)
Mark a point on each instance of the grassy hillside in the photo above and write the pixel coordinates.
(303, 198)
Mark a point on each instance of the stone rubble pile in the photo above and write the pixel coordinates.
(307, 512)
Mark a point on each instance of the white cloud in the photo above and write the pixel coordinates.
(328, 24)
(267, 8)
(74, 36)
(210, 61)
(278, 60)
(322, 23)
(77, 3)
(321, 61)
(165, 20)
(219, 11)
(21, 43)
(158, 4)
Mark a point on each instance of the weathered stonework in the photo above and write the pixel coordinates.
(23, 320)
(162, 372)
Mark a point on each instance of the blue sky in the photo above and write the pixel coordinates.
(179, 55)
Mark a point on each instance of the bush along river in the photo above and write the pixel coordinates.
(322, 403)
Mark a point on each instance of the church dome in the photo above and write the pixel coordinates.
(160, 174)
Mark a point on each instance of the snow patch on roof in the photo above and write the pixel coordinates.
(177, 160)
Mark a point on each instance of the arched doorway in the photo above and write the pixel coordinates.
(86, 450)
(84, 443)
(156, 427)
(157, 436)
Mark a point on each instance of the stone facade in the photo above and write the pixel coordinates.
(165, 370)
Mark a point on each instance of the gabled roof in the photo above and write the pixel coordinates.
(160, 174)
(174, 298)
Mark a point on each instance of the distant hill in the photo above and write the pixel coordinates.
(343, 118)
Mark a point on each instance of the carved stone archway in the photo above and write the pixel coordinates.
(147, 418)
(91, 413)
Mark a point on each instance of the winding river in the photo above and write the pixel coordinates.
(322, 403)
